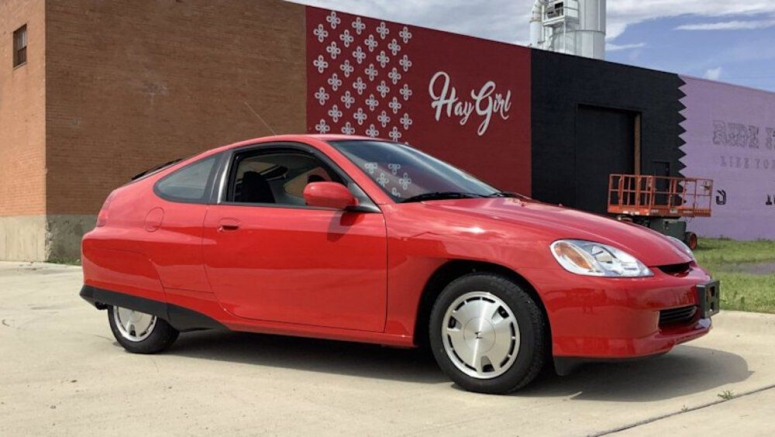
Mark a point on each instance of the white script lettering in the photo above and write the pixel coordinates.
(485, 102)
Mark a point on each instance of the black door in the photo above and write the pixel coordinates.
(605, 144)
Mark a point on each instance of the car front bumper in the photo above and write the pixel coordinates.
(616, 318)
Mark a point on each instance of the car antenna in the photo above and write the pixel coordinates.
(259, 117)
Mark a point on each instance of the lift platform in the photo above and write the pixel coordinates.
(660, 202)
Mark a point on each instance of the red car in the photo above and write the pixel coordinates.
(357, 239)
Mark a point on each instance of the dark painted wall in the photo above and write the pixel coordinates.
(561, 85)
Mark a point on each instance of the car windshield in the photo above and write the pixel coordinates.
(408, 175)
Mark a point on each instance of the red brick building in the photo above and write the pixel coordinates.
(111, 88)
(93, 92)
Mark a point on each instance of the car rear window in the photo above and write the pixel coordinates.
(188, 184)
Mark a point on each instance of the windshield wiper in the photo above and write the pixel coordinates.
(438, 195)
(509, 194)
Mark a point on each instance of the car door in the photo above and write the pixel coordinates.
(269, 257)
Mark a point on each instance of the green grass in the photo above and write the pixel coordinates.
(746, 270)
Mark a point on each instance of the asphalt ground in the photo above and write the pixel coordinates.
(62, 373)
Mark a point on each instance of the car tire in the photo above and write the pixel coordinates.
(140, 333)
(487, 334)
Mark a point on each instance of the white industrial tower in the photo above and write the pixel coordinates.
(575, 27)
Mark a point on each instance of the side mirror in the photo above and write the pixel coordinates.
(329, 195)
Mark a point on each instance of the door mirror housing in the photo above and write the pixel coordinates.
(329, 195)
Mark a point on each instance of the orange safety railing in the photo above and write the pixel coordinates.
(659, 196)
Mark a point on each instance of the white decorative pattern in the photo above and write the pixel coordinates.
(406, 122)
(360, 116)
(335, 82)
(405, 63)
(322, 96)
(383, 118)
(320, 63)
(372, 72)
(359, 26)
(335, 113)
(359, 55)
(383, 89)
(346, 68)
(383, 59)
(360, 86)
(405, 181)
(372, 103)
(322, 127)
(394, 168)
(394, 76)
(333, 20)
(333, 50)
(348, 99)
(394, 47)
(321, 33)
(395, 134)
(383, 30)
(371, 43)
(405, 35)
(348, 129)
(406, 92)
(346, 38)
(363, 86)
(395, 105)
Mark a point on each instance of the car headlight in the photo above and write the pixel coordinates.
(595, 259)
(681, 245)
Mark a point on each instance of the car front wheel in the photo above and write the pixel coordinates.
(487, 334)
(140, 333)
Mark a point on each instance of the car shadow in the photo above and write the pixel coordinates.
(336, 357)
(684, 371)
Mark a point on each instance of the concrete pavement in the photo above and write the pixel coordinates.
(62, 373)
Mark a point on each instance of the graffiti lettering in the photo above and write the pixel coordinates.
(485, 102)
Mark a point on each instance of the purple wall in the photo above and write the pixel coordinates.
(730, 138)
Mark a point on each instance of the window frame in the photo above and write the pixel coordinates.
(20, 34)
(225, 178)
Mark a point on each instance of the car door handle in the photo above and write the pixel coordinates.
(228, 225)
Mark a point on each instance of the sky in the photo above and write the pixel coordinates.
(727, 40)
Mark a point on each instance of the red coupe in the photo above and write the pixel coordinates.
(357, 239)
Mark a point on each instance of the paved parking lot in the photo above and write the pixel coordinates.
(61, 372)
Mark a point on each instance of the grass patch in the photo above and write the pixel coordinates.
(746, 270)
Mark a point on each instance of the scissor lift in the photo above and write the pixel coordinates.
(660, 202)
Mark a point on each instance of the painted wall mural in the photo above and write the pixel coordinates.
(730, 138)
(462, 99)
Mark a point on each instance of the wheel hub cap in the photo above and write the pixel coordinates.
(133, 325)
(481, 335)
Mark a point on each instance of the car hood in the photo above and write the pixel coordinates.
(553, 223)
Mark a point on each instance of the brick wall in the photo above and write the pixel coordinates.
(133, 84)
(22, 111)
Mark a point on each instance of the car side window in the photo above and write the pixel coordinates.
(276, 177)
(188, 184)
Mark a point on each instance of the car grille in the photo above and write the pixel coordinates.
(677, 316)
(676, 269)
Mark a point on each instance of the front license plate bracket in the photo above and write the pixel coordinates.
(709, 295)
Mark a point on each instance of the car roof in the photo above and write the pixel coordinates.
(291, 138)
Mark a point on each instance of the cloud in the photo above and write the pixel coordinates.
(508, 20)
(617, 47)
(729, 25)
(713, 73)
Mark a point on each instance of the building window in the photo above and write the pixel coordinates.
(20, 46)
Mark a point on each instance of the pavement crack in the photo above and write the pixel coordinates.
(677, 413)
